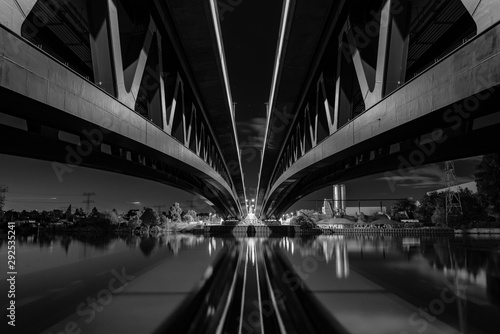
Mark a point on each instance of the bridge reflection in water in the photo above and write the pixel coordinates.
(342, 284)
(368, 284)
(251, 288)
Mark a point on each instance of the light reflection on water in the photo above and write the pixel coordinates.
(43, 251)
(471, 261)
(417, 270)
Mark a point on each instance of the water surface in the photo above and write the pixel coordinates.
(368, 284)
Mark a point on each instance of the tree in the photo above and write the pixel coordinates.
(307, 212)
(193, 214)
(3, 190)
(131, 213)
(55, 215)
(45, 216)
(214, 219)
(303, 221)
(111, 216)
(94, 212)
(34, 215)
(149, 218)
(163, 221)
(24, 215)
(67, 214)
(429, 203)
(79, 212)
(176, 212)
(407, 205)
(473, 208)
(488, 180)
(187, 218)
(439, 216)
(134, 222)
(11, 215)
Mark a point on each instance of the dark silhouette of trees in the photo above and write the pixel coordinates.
(94, 212)
(3, 189)
(473, 208)
(488, 180)
(68, 215)
(149, 218)
(429, 204)
(407, 205)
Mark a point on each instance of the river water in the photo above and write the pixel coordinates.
(364, 284)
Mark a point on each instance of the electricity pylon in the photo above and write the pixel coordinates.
(453, 203)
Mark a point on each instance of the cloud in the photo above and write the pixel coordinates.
(251, 133)
(425, 177)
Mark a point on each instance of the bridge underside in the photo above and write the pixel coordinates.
(60, 138)
(156, 99)
(397, 153)
(383, 85)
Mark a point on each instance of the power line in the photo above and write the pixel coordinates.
(158, 207)
(88, 200)
(453, 203)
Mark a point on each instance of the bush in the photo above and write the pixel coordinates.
(187, 218)
(303, 221)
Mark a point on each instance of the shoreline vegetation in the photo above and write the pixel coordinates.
(185, 228)
(406, 215)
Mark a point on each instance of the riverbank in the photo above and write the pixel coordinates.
(478, 231)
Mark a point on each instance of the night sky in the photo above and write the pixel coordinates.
(250, 32)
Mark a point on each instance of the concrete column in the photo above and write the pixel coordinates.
(397, 51)
(133, 74)
(156, 113)
(343, 88)
(322, 98)
(199, 139)
(102, 55)
(152, 87)
(313, 126)
(188, 126)
(392, 50)
(371, 80)
(105, 43)
(177, 98)
(162, 77)
(484, 12)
